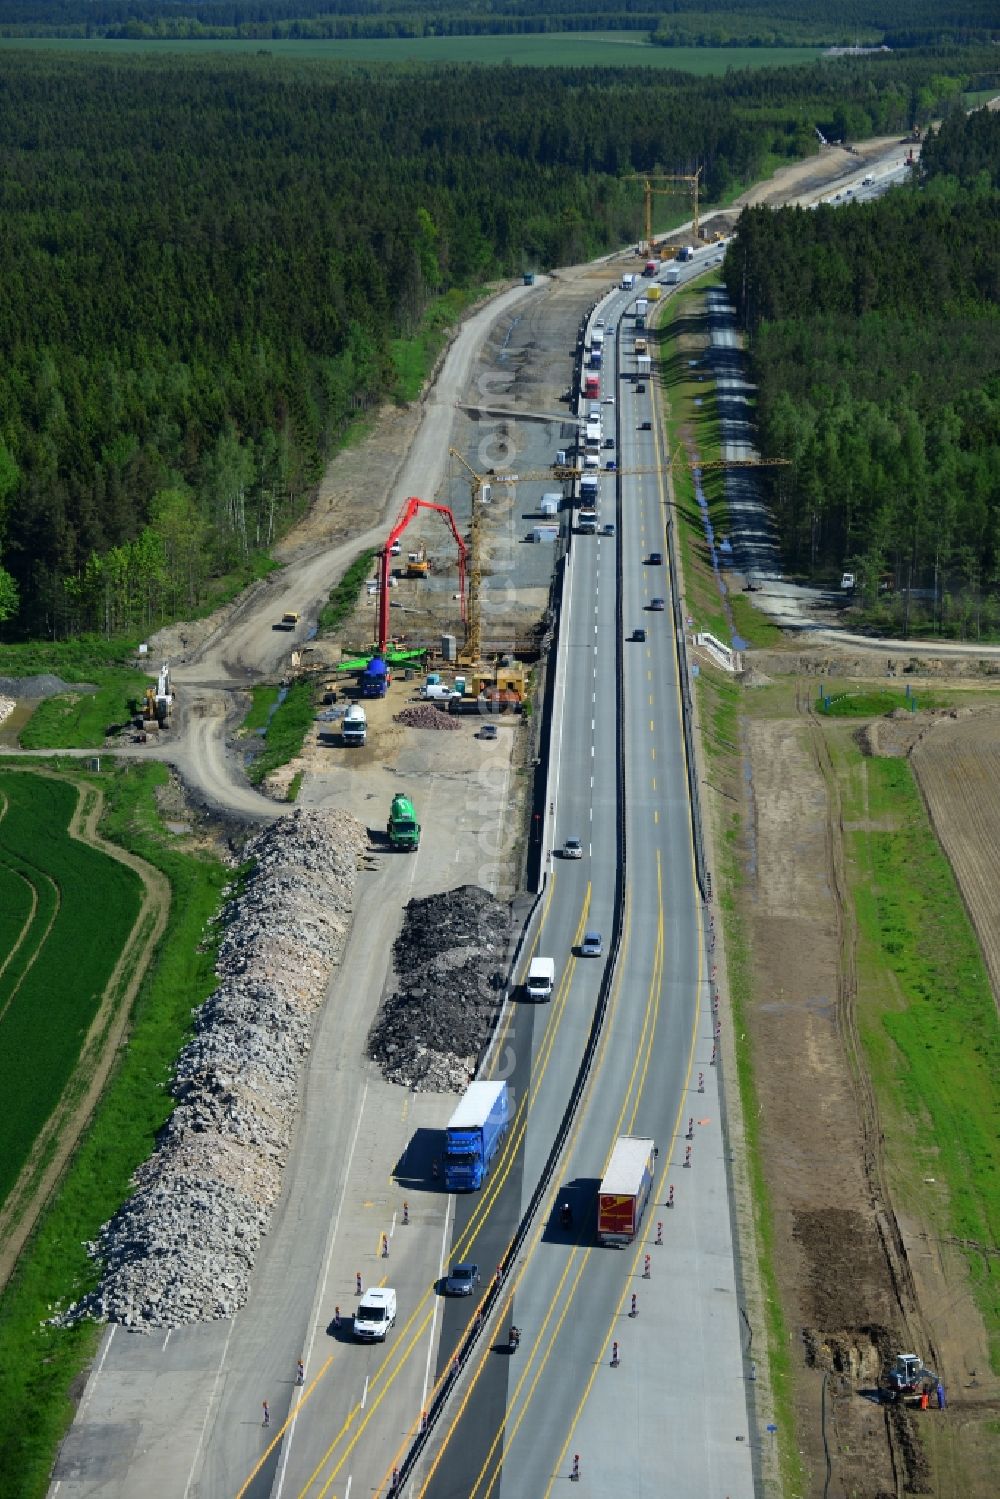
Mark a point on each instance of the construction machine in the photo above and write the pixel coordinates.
(159, 700)
(417, 565)
(412, 506)
(909, 1378)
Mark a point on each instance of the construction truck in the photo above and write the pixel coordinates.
(403, 828)
(289, 620)
(417, 565)
(909, 1379)
(354, 725)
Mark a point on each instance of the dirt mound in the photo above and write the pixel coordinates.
(426, 716)
(451, 963)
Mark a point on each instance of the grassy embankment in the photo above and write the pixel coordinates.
(927, 1016)
(39, 1365)
(54, 982)
(679, 345)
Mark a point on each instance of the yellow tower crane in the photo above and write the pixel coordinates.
(648, 188)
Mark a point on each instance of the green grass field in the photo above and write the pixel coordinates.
(568, 49)
(928, 1019)
(40, 1364)
(52, 988)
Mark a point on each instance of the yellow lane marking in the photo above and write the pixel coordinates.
(403, 1348)
(307, 1394)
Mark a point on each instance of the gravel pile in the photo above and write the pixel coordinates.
(183, 1246)
(43, 685)
(451, 961)
(7, 706)
(426, 716)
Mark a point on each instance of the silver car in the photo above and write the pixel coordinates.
(572, 849)
(593, 945)
(463, 1280)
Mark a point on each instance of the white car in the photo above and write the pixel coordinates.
(572, 849)
(593, 945)
(375, 1314)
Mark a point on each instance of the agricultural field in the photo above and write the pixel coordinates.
(66, 912)
(566, 49)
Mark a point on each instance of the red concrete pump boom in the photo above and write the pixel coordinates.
(407, 513)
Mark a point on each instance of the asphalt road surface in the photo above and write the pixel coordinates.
(674, 1411)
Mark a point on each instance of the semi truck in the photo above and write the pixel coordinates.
(650, 268)
(354, 725)
(591, 386)
(643, 365)
(541, 978)
(672, 277)
(654, 293)
(589, 490)
(474, 1135)
(374, 679)
(628, 281)
(597, 357)
(685, 253)
(403, 828)
(624, 1192)
(641, 307)
(587, 519)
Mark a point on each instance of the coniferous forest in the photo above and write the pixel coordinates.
(206, 263)
(875, 333)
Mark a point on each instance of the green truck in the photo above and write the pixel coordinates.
(403, 827)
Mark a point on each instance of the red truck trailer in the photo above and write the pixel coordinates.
(592, 387)
(624, 1192)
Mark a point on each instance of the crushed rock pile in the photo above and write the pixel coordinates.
(426, 716)
(451, 962)
(181, 1249)
(42, 685)
(7, 706)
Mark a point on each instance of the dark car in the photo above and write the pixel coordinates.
(609, 442)
(657, 605)
(656, 559)
(639, 634)
(645, 427)
(641, 388)
(463, 1280)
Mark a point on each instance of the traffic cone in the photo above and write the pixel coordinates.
(575, 1475)
(385, 1246)
(687, 1156)
(690, 1133)
(670, 1198)
(394, 1481)
(423, 1421)
(406, 1212)
(701, 1082)
(615, 1360)
(713, 1053)
(357, 1283)
(646, 1270)
(635, 1306)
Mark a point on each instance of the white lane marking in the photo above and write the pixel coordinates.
(364, 1394)
(437, 1299)
(347, 1491)
(166, 1340)
(209, 1403)
(286, 1445)
(392, 1227)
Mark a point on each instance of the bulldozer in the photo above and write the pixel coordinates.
(908, 1379)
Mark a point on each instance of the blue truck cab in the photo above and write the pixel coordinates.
(474, 1135)
(375, 678)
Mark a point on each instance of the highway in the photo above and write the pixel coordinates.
(515, 1419)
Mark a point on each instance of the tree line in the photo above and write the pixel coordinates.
(875, 337)
(207, 263)
(898, 23)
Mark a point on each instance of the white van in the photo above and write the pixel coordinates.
(541, 978)
(375, 1314)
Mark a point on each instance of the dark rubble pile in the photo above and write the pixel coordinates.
(182, 1248)
(451, 961)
